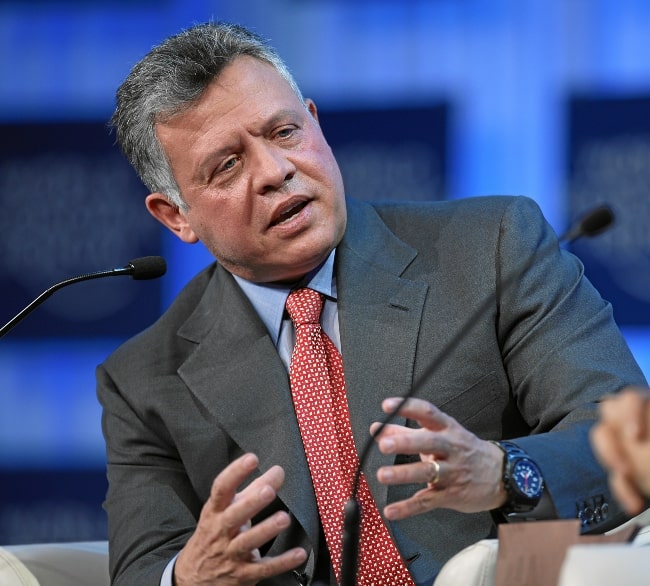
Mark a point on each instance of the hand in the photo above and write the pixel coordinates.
(621, 441)
(224, 547)
(469, 469)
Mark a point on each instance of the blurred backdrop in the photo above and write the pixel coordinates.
(420, 99)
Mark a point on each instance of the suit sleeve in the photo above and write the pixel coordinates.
(151, 506)
(562, 352)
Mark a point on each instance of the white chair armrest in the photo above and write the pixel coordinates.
(473, 566)
(64, 564)
(13, 572)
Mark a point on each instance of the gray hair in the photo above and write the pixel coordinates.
(167, 81)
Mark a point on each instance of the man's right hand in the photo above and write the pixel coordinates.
(224, 547)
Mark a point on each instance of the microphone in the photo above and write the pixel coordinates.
(592, 223)
(145, 267)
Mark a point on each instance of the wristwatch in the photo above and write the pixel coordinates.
(522, 480)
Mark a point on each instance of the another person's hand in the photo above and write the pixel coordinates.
(621, 441)
(460, 471)
(224, 547)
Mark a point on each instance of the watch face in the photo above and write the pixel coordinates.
(527, 477)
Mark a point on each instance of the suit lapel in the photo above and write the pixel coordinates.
(238, 376)
(379, 320)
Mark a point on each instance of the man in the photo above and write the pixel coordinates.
(471, 306)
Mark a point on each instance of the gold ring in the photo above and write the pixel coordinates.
(434, 477)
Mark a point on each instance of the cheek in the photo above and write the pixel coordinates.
(322, 172)
(330, 169)
(225, 233)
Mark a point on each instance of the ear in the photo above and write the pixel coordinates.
(171, 216)
(311, 107)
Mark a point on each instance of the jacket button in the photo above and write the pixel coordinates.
(604, 510)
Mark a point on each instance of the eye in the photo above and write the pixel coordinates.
(286, 132)
(228, 164)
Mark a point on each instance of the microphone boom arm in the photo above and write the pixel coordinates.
(141, 268)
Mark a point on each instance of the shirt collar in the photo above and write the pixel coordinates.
(269, 299)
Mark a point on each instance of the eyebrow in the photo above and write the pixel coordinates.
(280, 114)
(204, 169)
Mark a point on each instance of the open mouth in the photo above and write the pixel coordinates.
(289, 213)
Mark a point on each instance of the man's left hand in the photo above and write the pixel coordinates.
(459, 470)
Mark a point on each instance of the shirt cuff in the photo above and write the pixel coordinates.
(168, 575)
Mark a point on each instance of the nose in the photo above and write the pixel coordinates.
(271, 169)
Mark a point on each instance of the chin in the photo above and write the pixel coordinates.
(296, 270)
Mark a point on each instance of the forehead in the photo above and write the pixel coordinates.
(246, 90)
(247, 79)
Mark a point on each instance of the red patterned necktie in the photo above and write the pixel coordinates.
(320, 401)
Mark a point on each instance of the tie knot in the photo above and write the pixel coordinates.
(304, 306)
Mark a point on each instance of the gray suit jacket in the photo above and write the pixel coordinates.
(521, 344)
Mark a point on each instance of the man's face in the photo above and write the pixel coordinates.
(263, 190)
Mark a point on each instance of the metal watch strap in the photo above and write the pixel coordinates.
(517, 502)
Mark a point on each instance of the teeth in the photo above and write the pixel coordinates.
(289, 214)
(285, 220)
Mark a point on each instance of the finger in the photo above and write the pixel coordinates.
(425, 472)
(449, 496)
(267, 567)
(422, 501)
(608, 449)
(426, 414)
(633, 415)
(644, 421)
(626, 411)
(390, 434)
(397, 439)
(273, 478)
(251, 500)
(225, 485)
(627, 494)
(380, 430)
(259, 534)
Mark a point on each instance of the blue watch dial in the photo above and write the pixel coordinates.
(528, 478)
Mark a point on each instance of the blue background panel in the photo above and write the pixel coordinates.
(610, 162)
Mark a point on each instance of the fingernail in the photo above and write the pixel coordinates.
(250, 460)
(385, 474)
(391, 403)
(300, 554)
(282, 519)
(387, 444)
